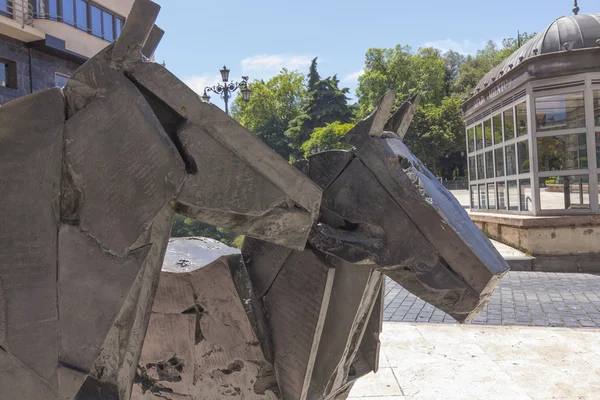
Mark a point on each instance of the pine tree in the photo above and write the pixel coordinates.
(326, 103)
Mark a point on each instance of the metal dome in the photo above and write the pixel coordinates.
(565, 34)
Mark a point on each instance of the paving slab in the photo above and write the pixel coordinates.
(436, 361)
(522, 298)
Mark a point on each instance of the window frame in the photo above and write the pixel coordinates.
(116, 18)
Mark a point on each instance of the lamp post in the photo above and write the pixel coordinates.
(226, 88)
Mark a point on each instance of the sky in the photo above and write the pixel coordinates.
(259, 37)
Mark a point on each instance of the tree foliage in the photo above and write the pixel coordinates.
(184, 227)
(272, 106)
(325, 103)
(327, 138)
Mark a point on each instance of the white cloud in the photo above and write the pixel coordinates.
(354, 76)
(268, 65)
(465, 47)
(198, 83)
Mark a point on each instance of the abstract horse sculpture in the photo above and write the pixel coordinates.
(91, 178)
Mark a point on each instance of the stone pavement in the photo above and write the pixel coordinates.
(469, 362)
(522, 298)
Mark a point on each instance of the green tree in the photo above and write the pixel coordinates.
(185, 227)
(327, 138)
(474, 68)
(437, 137)
(272, 106)
(403, 71)
(325, 103)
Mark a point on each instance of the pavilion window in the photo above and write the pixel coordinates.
(487, 129)
(509, 124)
(564, 192)
(501, 195)
(561, 111)
(523, 157)
(497, 127)
(521, 119)
(564, 152)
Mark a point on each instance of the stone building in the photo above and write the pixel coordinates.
(43, 41)
(533, 144)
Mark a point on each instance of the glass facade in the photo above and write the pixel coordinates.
(540, 153)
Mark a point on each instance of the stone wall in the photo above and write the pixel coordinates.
(30, 63)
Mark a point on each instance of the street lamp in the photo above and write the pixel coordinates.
(226, 88)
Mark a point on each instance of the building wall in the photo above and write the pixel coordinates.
(76, 40)
(33, 64)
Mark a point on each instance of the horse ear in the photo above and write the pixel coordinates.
(402, 118)
(156, 35)
(381, 113)
(137, 29)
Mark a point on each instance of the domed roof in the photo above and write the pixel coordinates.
(564, 34)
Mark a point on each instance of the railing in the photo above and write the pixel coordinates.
(18, 10)
(455, 185)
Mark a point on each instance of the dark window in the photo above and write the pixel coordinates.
(497, 129)
(472, 169)
(480, 167)
(478, 137)
(60, 80)
(511, 160)
(82, 15)
(487, 130)
(68, 12)
(523, 156)
(471, 140)
(499, 153)
(8, 74)
(108, 26)
(96, 21)
(489, 164)
(509, 124)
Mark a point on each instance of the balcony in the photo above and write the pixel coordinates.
(16, 21)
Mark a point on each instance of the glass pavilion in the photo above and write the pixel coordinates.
(533, 125)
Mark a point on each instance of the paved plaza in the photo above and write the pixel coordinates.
(522, 298)
(470, 362)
